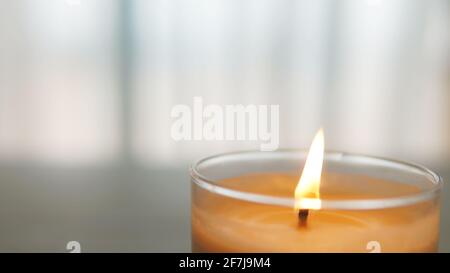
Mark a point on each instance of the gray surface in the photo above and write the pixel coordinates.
(106, 209)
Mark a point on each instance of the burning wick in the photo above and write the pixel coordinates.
(307, 192)
(303, 217)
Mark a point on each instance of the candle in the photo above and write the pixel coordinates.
(225, 224)
(360, 204)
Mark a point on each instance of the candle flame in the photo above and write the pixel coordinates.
(307, 192)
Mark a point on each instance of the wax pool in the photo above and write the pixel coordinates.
(224, 224)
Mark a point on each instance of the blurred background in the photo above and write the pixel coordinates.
(87, 86)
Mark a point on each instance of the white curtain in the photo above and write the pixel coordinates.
(93, 81)
(374, 73)
(58, 81)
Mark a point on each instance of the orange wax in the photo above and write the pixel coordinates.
(224, 224)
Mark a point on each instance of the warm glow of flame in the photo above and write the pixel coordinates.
(308, 188)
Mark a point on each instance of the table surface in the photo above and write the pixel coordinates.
(112, 209)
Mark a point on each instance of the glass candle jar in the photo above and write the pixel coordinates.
(244, 202)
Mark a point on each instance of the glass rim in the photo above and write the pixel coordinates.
(353, 204)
